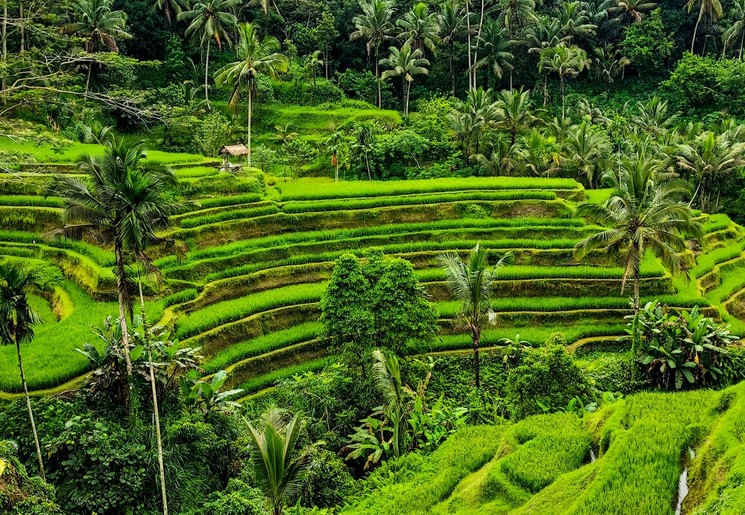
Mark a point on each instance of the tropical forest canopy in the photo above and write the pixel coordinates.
(372, 256)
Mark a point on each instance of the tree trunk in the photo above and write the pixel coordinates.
(636, 289)
(88, 79)
(156, 413)
(21, 28)
(367, 165)
(206, 73)
(4, 84)
(511, 80)
(452, 67)
(545, 89)
(120, 286)
(695, 29)
(742, 40)
(471, 86)
(377, 79)
(476, 49)
(326, 60)
(30, 409)
(561, 86)
(476, 359)
(250, 110)
(407, 87)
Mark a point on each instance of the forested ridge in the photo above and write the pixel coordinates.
(372, 256)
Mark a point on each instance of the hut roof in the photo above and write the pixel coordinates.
(234, 150)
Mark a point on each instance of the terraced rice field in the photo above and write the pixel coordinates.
(258, 255)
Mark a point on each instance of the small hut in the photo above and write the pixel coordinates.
(229, 151)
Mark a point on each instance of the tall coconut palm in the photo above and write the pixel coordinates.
(171, 8)
(98, 23)
(631, 9)
(17, 321)
(709, 9)
(644, 213)
(575, 20)
(452, 25)
(210, 19)
(710, 157)
(420, 29)
(123, 202)
(735, 33)
(405, 63)
(565, 61)
(471, 284)
(587, 153)
(374, 25)
(515, 113)
(495, 48)
(653, 117)
(255, 56)
(514, 13)
(278, 465)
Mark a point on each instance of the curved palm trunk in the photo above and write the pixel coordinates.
(636, 291)
(476, 336)
(156, 413)
(695, 29)
(452, 66)
(120, 287)
(30, 409)
(407, 88)
(742, 41)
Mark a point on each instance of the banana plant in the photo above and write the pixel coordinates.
(207, 396)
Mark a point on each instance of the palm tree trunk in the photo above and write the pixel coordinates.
(4, 84)
(476, 358)
(511, 80)
(695, 29)
(452, 67)
(120, 286)
(561, 86)
(545, 89)
(367, 165)
(156, 413)
(407, 87)
(636, 290)
(476, 49)
(326, 60)
(377, 79)
(471, 86)
(20, 26)
(88, 79)
(742, 40)
(250, 110)
(207, 72)
(30, 409)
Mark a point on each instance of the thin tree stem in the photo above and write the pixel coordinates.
(30, 409)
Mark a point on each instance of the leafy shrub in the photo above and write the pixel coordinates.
(212, 133)
(97, 466)
(237, 499)
(327, 481)
(19, 493)
(677, 351)
(545, 376)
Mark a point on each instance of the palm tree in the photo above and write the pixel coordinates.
(565, 61)
(496, 49)
(708, 158)
(513, 13)
(314, 63)
(170, 8)
(95, 21)
(420, 29)
(374, 24)
(278, 466)
(98, 24)
(452, 23)
(405, 63)
(471, 284)
(514, 112)
(652, 116)
(736, 31)
(643, 213)
(575, 20)
(255, 57)
(711, 9)
(122, 202)
(610, 64)
(210, 20)
(632, 9)
(17, 321)
(587, 153)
